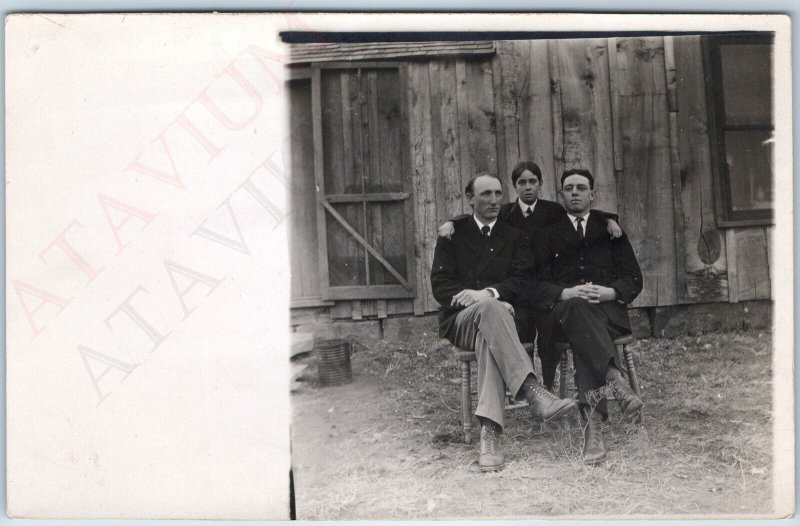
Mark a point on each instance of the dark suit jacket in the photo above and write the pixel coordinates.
(562, 261)
(545, 213)
(469, 261)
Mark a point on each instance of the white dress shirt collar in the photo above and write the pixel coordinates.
(481, 225)
(524, 207)
(574, 218)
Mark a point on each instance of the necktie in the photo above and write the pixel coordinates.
(485, 231)
(528, 212)
(579, 221)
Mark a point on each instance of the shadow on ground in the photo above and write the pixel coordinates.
(390, 446)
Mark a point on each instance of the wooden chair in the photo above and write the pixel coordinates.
(624, 356)
(465, 359)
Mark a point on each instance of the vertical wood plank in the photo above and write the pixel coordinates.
(709, 272)
(374, 176)
(672, 81)
(463, 122)
(480, 108)
(393, 153)
(381, 309)
(675, 170)
(733, 278)
(303, 207)
(400, 307)
(342, 310)
(645, 189)
(586, 114)
(752, 263)
(356, 312)
(437, 139)
(347, 143)
(677, 209)
(559, 154)
(613, 72)
(319, 166)
(514, 57)
(422, 177)
(540, 118)
(500, 135)
(450, 201)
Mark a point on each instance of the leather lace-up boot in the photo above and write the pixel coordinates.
(629, 402)
(545, 404)
(594, 446)
(491, 456)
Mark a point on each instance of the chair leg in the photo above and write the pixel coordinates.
(562, 374)
(466, 402)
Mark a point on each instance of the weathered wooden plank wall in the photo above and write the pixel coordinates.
(705, 266)
(633, 110)
(645, 183)
(453, 136)
(303, 214)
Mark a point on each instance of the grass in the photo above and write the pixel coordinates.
(390, 446)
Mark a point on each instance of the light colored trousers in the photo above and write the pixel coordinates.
(488, 329)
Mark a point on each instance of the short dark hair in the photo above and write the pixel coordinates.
(468, 189)
(521, 167)
(578, 171)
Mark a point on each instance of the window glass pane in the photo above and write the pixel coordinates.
(747, 83)
(749, 158)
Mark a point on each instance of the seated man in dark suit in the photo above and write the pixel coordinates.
(478, 277)
(531, 214)
(584, 280)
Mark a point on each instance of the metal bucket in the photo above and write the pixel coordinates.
(333, 358)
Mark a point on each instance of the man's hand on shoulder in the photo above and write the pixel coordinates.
(468, 297)
(613, 228)
(446, 229)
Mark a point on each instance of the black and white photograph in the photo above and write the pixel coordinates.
(398, 266)
(532, 274)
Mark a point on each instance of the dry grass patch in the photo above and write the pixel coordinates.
(390, 446)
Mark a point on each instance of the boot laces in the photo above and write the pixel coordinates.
(488, 440)
(543, 393)
(619, 389)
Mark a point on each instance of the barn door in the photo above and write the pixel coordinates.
(364, 208)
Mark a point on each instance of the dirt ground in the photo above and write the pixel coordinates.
(390, 446)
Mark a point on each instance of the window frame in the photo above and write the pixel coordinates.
(726, 215)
